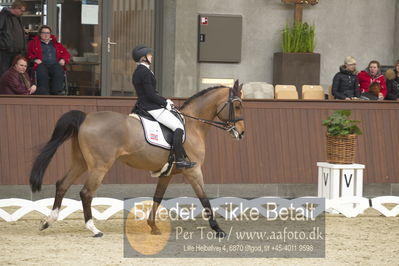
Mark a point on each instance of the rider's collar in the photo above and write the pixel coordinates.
(145, 64)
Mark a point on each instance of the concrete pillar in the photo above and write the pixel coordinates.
(168, 49)
(180, 67)
(186, 68)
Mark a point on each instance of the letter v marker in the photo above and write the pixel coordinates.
(325, 178)
(346, 180)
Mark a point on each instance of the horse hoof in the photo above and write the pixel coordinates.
(43, 225)
(155, 232)
(100, 234)
(220, 234)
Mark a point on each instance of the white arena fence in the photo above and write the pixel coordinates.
(349, 206)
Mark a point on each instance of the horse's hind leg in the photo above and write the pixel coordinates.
(86, 194)
(162, 184)
(78, 167)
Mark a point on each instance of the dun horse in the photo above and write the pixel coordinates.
(100, 138)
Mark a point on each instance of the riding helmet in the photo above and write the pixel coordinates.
(140, 51)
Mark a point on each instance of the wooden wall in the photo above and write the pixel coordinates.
(282, 143)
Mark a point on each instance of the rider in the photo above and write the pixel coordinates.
(157, 106)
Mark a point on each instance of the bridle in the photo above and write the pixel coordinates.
(229, 124)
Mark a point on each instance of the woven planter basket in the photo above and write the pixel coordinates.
(341, 149)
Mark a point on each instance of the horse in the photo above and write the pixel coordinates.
(100, 138)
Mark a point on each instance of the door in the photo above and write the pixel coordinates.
(126, 23)
(78, 25)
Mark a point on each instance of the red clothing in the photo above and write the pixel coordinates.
(11, 82)
(365, 81)
(35, 50)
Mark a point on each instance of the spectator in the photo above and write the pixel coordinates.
(372, 74)
(345, 84)
(392, 84)
(397, 71)
(12, 34)
(16, 80)
(49, 57)
(372, 93)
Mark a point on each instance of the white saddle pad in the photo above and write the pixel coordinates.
(153, 132)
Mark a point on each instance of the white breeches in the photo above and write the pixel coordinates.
(166, 118)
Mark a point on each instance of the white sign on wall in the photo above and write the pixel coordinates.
(89, 14)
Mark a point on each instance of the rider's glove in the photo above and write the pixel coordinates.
(169, 104)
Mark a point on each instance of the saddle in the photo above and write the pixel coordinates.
(155, 133)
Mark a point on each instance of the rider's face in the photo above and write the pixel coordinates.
(149, 57)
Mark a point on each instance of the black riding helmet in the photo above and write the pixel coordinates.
(140, 51)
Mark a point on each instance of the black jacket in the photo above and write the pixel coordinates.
(12, 35)
(392, 90)
(345, 84)
(144, 83)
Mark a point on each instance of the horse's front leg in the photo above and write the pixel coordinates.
(195, 178)
(162, 184)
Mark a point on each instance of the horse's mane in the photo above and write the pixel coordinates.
(198, 94)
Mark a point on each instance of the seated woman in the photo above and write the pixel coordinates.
(345, 84)
(372, 74)
(372, 93)
(49, 57)
(15, 80)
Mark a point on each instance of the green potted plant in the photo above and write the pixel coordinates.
(341, 137)
(299, 39)
(297, 64)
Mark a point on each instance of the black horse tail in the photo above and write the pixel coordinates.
(67, 126)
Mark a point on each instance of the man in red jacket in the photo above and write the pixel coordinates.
(370, 75)
(49, 57)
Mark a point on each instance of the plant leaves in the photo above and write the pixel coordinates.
(339, 124)
(300, 38)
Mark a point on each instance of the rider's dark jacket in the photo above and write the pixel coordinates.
(144, 83)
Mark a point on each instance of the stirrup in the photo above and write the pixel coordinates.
(183, 164)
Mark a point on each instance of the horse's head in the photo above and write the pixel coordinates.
(222, 102)
(231, 112)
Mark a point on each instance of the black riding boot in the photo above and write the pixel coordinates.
(181, 162)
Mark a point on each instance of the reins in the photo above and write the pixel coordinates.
(223, 125)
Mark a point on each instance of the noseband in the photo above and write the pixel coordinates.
(230, 123)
